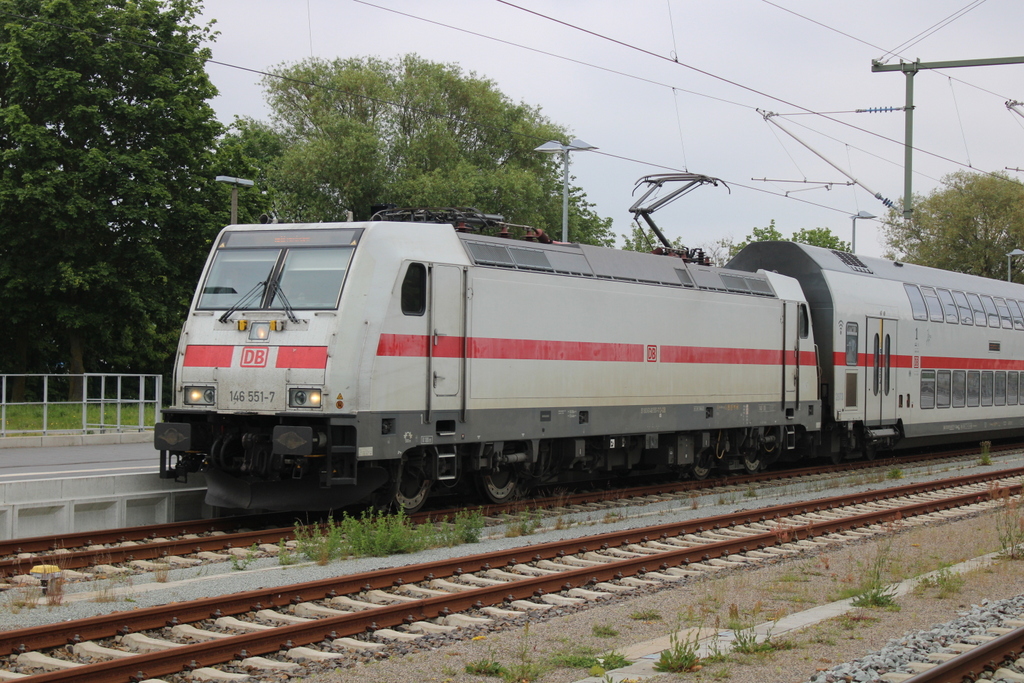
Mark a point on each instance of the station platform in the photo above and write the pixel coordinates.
(64, 484)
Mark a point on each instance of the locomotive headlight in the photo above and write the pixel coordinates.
(304, 398)
(259, 331)
(200, 396)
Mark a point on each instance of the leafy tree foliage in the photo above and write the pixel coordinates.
(816, 237)
(106, 140)
(360, 132)
(968, 225)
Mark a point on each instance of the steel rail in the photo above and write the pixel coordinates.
(155, 664)
(53, 635)
(159, 549)
(151, 550)
(969, 666)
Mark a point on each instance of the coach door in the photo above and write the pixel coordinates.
(446, 346)
(880, 385)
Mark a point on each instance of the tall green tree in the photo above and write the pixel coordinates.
(106, 179)
(816, 237)
(967, 225)
(366, 131)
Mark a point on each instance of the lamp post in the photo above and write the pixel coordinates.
(860, 214)
(1015, 252)
(235, 183)
(555, 147)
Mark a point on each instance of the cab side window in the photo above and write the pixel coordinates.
(414, 290)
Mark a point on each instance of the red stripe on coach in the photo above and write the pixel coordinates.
(310, 357)
(208, 356)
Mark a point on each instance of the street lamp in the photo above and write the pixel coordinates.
(555, 147)
(1015, 252)
(235, 183)
(860, 214)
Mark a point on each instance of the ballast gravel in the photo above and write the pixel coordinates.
(550, 640)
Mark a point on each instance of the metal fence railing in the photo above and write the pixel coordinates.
(90, 403)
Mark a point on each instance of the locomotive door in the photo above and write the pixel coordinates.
(445, 348)
(790, 354)
(880, 379)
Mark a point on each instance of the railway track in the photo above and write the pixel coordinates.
(182, 544)
(322, 620)
(996, 654)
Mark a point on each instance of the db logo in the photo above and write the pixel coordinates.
(652, 353)
(254, 357)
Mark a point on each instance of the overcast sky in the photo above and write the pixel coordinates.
(662, 85)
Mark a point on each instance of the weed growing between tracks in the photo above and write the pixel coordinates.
(376, 534)
(1010, 525)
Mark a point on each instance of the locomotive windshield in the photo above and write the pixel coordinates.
(279, 269)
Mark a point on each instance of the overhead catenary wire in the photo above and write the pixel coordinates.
(270, 74)
(770, 118)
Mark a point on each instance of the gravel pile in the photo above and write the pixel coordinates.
(916, 646)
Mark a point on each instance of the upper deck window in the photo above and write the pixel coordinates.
(948, 306)
(979, 310)
(966, 318)
(990, 309)
(278, 269)
(934, 307)
(916, 302)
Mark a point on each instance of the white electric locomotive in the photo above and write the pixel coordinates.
(325, 364)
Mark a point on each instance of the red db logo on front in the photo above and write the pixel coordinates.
(254, 357)
(652, 353)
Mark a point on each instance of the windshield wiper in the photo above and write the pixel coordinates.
(254, 294)
(275, 292)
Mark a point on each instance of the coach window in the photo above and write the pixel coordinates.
(414, 290)
(986, 388)
(1018, 318)
(876, 364)
(802, 322)
(1011, 387)
(888, 362)
(948, 306)
(916, 302)
(979, 310)
(934, 307)
(943, 388)
(927, 388)
(851, 343)
(1004, 313)
(959, 388)
(990, 309)
(965, 308)
(999, 391)
(973, 388)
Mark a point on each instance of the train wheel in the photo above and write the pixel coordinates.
(701, 467)
(499, 486)
(752, 463)
(413, 489)
(870, 452)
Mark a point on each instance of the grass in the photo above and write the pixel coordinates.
(1010, 526)
(894, 473)
(646, 615)
(604, 631)
(986, 456)
(875, 590)
(681, 655)
(523, 523)
(378, 534)
(67, 417)
(945, 583)
(486, 667)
